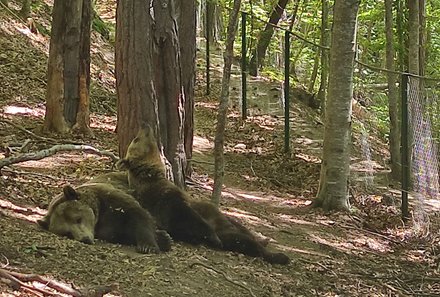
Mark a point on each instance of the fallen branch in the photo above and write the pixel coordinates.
(52, 151)
(224, 275)
(17, 281)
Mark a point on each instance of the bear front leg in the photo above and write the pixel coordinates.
(144, 231)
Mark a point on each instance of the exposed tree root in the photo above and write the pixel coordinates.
(18, 281)
(52, 151)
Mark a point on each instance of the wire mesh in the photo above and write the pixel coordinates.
(422, 111)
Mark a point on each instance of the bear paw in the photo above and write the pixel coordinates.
(146, 248)
(164, 240)
(277, 258)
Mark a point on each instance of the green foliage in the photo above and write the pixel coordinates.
(379, 108)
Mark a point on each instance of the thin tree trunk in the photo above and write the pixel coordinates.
(413, 37)
(401, 49)
(25, 10)
(314, 72)
(422, 36)
(335, 168)
(223, 106)
(259, 53)
(321, 97)
(393, 95)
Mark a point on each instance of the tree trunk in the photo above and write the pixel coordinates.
(169, 89)
(413, 37)
(402, 53)
(134, 71)
(422, 37)
(321, 96)
(314, 72)
(335, 168)
(25, 9)
(187, 39)
(223, 106)
(148, 75)
(68, 74)
(393, 95)
(259, 53)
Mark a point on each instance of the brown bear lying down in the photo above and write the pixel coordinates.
(193, 222)
(104, 210)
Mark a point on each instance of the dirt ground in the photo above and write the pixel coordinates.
(369, 252)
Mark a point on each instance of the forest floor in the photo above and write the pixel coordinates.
(369, 252)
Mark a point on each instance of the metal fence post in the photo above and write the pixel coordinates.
(286, 91)
(405, 147)
(243, 66)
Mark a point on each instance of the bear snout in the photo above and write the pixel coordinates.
(86, 240)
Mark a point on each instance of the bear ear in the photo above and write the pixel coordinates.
(122, 164)
(70, 193)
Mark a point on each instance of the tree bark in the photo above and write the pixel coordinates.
(25, 10)
(223, 106)
(187, 39)
(149, 78)
(321, 96)
(134, 71)
(68, 74)
(393, 95)
(259, 53)
(335, 168)
(169, 88)
(413, 37)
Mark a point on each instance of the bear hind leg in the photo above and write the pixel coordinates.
(247, 245)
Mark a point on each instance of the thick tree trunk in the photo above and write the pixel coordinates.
(149, 78)
(68, 74)
(223, 106)
(335, 168)
(169, 89)
(187, 39)
(259, 53)
(393, 95)
(134, 71)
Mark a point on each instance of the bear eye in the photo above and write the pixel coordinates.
(78, 221)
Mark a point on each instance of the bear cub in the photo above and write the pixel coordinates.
(164, 200)
(176, 213)
(102, 209)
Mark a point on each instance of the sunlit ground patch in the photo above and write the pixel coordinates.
(21, 110)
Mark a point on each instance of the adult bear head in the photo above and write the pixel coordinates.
(72, 217)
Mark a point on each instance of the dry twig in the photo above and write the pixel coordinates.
(17, 281)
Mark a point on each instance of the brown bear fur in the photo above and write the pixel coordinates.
(164, 200)
(234, 236)
(103, 209)
(146, 176)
